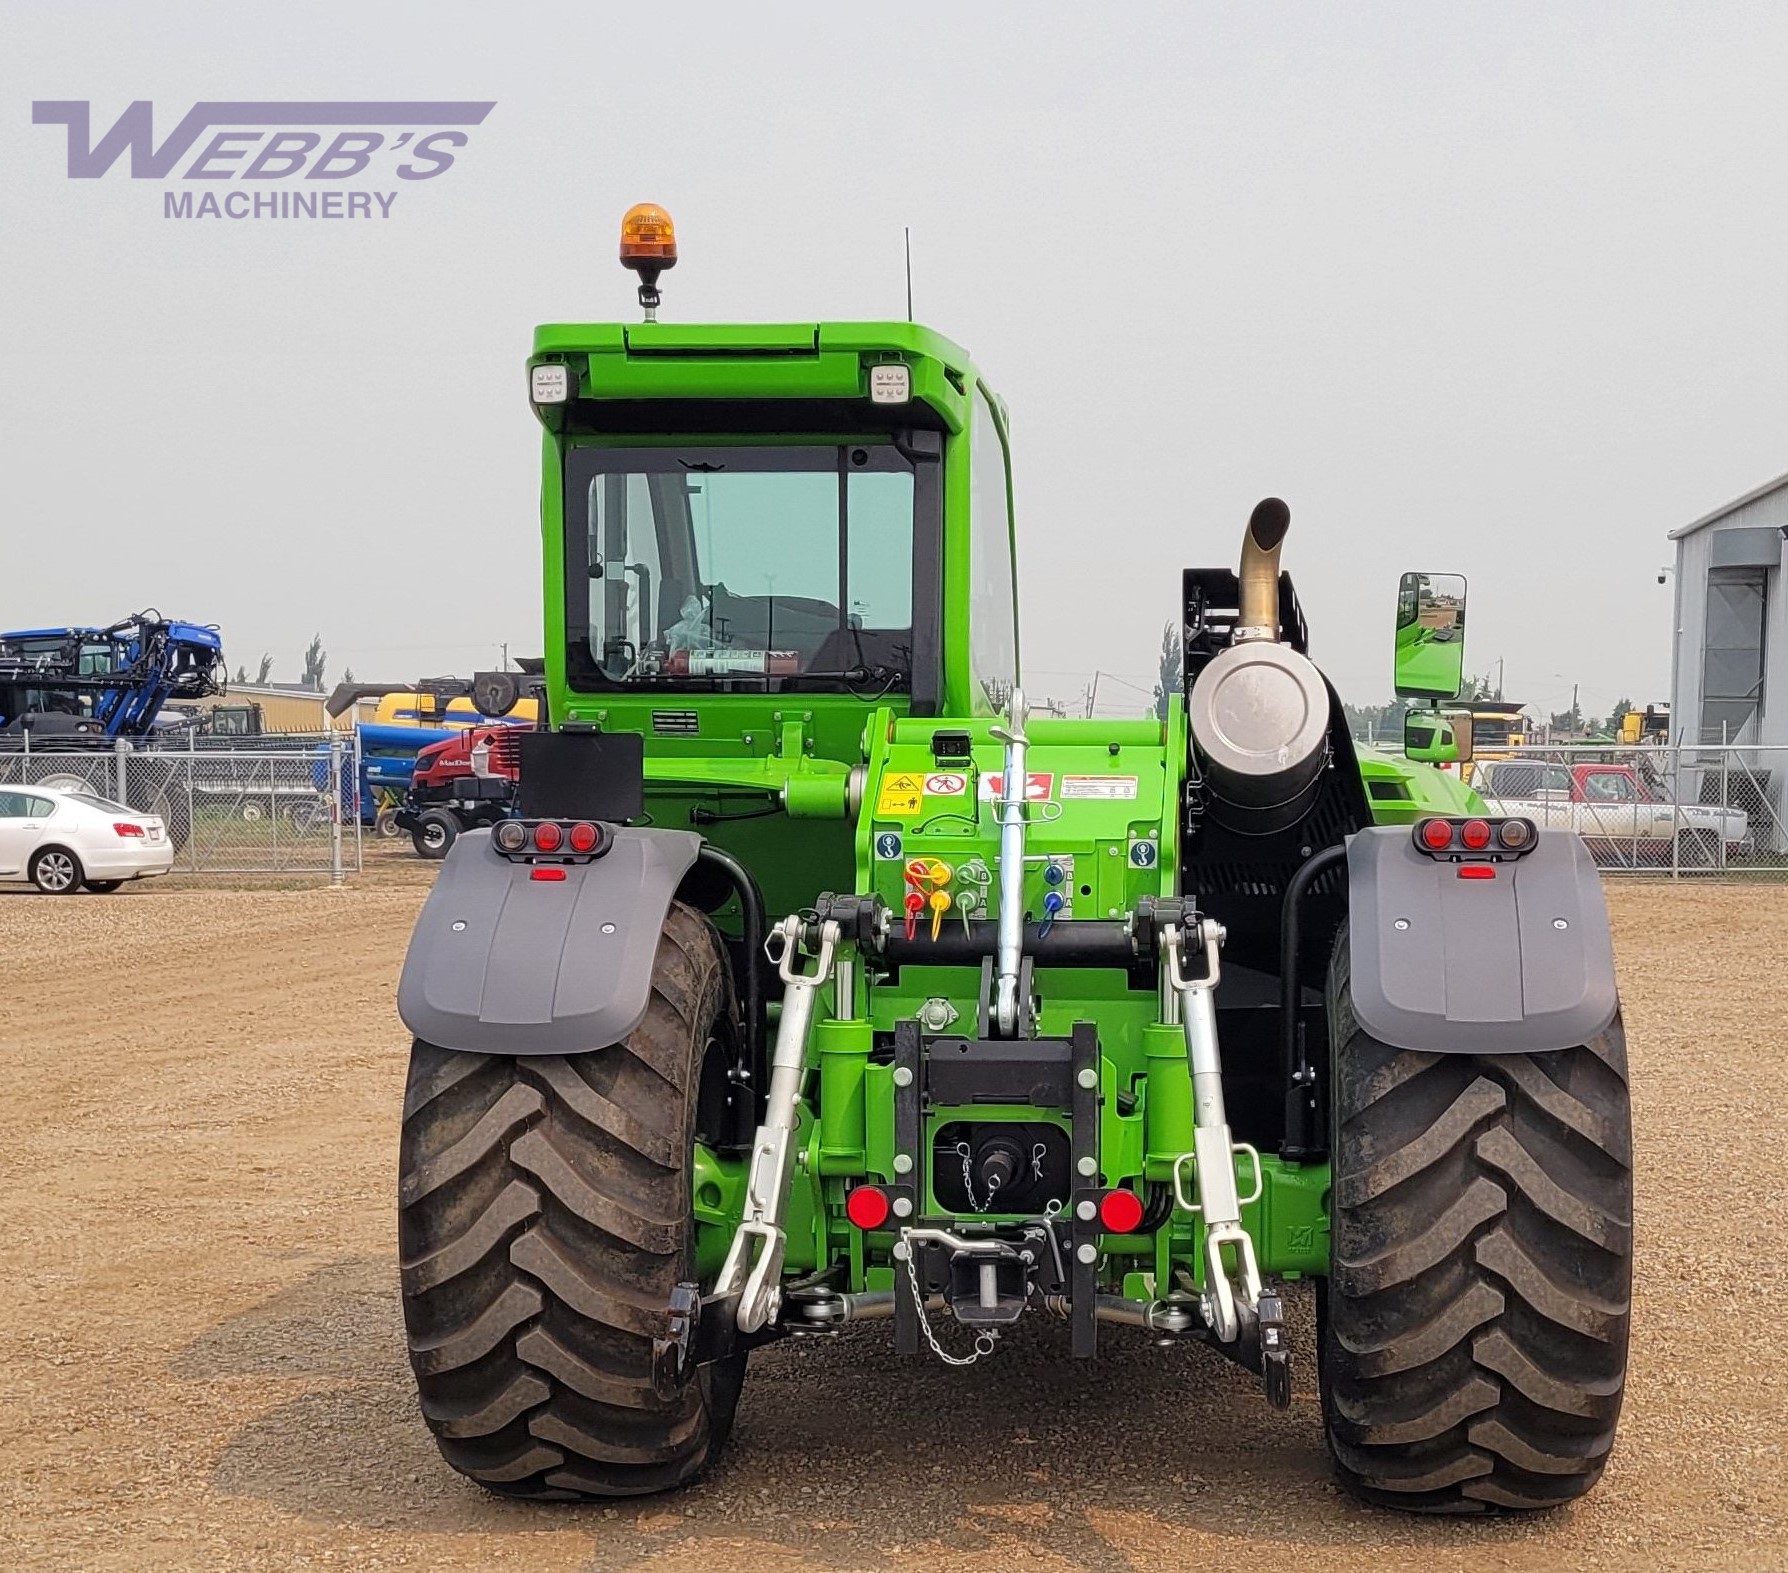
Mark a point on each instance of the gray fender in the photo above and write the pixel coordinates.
(1519, 964)
(503, 963)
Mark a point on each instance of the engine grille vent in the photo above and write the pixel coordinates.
(676, 723)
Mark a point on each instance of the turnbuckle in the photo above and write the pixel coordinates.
(1218, 1198)
(753, 1266)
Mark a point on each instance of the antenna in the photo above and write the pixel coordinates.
(907, 230)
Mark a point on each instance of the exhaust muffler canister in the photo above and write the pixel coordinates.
(1260, 721)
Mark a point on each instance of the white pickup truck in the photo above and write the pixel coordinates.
(1627, 822)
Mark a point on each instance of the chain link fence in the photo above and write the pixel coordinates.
(1674, 810)
(262, 810)
(1661, 809)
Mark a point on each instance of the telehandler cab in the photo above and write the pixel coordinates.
(819, 982)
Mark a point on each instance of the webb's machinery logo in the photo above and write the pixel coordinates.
(279, 168)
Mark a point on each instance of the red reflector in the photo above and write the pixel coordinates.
(1475, 834)
(1477, 871)
(1438, 834)
(867, 1206)
(1120, 1211)
(123, 829)
(547, 836)
(583, 838)
(547, 873)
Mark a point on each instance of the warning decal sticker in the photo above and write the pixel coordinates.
(901, 797)
(1038, 784)
(1110, 788)
(945, 783)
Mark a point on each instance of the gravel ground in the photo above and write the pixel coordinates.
(201, 1360)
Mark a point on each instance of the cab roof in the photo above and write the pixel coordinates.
(744, 361)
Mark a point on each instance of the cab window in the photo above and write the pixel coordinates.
(721, 567)
(1607, 787)
(993, 630)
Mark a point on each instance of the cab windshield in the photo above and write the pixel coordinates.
(746, 567)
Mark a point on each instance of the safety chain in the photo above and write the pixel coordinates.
(984, 1342)
(968, 1182)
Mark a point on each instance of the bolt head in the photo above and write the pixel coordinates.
(1560, 923)
(903, 1163)
(459, 927)
(1086, 1212)
(900, 1251)
(903, 1206)
(1088, 1166)
(903, 1076)
(1088, 1077)
(1401, 925)
(1087, 1253)
(608, 928)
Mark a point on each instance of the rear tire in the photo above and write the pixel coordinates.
(436, 831)
(1474, 1324)
(56, 871)
(544, 1220)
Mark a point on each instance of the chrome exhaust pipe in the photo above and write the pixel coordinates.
(1259, 711)
(1258, 577)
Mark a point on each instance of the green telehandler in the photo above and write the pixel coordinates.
(818, 982)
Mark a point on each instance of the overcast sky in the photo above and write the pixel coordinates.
(1497, 289)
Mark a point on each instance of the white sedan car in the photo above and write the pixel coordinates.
(62, 840)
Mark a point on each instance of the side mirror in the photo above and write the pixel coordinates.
(1437, 737)
(1430, 661)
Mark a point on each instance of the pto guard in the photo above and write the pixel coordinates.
(1521, 963)
(503, 963)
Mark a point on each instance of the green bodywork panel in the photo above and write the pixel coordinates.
(818, 791)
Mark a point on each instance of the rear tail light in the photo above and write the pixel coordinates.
(867, 1206)
(1120, 1211)
(121, 828)
(575, 841)
(1475, 841)
(1515, 834)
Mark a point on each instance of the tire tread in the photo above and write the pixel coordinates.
(1476, 1316)
(544, 1218)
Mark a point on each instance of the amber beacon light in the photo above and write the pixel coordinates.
(648, 246)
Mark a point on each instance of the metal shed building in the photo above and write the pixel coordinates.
(1729, 666)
